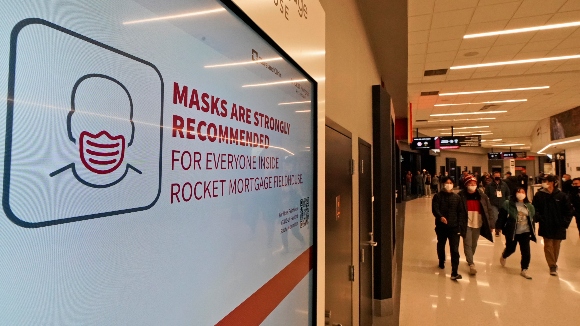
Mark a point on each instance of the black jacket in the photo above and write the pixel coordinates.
(484, 207)
(575, 200)
(554, 213)
(448, 205)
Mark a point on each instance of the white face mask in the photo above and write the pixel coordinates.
(448, 186)
(520, 196)
(545, 185)
(563, 179)
(471, 188)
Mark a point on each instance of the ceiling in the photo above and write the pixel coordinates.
(435, 33)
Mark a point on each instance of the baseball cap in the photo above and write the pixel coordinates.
(550, 177)
(468, 179)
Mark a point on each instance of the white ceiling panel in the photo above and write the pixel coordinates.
(449, 5)
(533, 7)
(415, 49)
(452, 18)
(495, 12)
(528, 21)
(440, 56)
(422, 7)
(570, 5)
(447, 33)
(564, 17)
(541, 46)
(418, 37)
(419, 23)
(443, 46)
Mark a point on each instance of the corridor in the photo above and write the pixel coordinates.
(496, 295)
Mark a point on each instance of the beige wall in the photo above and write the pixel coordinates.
(464, 159)
(350, 73)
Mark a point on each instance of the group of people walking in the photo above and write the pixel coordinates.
(475, 211)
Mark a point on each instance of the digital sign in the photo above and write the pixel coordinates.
(506, 155)
(450, 143)
(159, 167)
(423, 143)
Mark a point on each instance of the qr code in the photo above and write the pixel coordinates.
(304, 211)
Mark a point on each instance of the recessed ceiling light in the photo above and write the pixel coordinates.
(465, 113)
(496, 90)
(458, 120)
(515, 62)
(471, 54)
(523, 30)
(509, 145)
(488, 102)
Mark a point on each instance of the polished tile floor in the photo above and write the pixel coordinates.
(496, 295)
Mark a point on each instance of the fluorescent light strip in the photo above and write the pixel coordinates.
(541, 151)
(460, 128)
(190, 14)
(276, 83)
(523, 30)
(509, 145)
(290, 103)
(302, 111)
(495, 90)
(488, 102)
(243, 63)
(465, 113)
(515, 62)
(457, 120)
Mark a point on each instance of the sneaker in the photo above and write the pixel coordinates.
(441, 265)
(554, 271)
(502, 261)
(472, 270)
(456, 277)
(524, 273)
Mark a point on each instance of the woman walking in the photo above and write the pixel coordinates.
(516, 220)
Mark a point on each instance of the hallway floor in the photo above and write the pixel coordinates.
(496, 295)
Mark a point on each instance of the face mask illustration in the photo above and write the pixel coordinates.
(102, 132)
(101, 153)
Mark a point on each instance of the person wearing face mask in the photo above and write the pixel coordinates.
(554, 213)
(575, 199)
(447, 209)
(498, 192)
(476, 219)
(567, 184)
(516, 220)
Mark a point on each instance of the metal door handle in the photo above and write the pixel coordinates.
(371, 242)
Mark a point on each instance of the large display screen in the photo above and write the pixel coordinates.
(159, 167)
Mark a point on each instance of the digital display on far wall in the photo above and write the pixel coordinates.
(565, 124)
(159, 167)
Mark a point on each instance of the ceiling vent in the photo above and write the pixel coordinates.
(487, 107)
(435, 72)
(430, 93)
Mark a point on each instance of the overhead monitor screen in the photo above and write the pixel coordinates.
(159, 167)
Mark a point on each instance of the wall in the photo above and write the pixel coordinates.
(573, 161)
(350, 73)
(469, 159)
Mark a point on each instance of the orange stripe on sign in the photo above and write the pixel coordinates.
(259, 305)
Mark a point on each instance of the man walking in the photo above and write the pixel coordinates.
(419, 184)
(554, 213)
(498, 192)
(476, 219)
(447, 209)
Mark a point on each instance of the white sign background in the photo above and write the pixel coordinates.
(172, 264)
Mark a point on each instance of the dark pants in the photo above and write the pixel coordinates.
(524, 241)
(453, 235)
